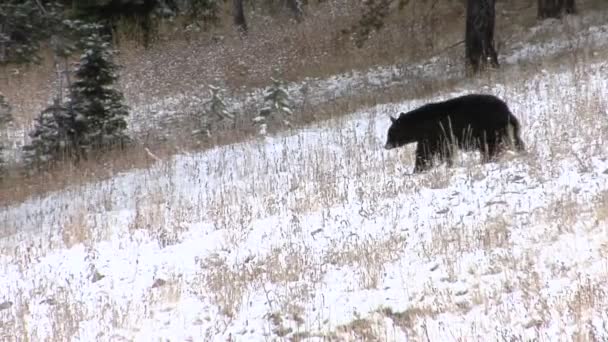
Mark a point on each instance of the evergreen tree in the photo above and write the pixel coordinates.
(215, 108)
(93, 118)
(50, 137)
(277, 99)
(23, 24)
(5, 118)
(99, 114)
(278, 102)
(217, 105)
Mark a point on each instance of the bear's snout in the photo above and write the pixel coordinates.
(389, 146)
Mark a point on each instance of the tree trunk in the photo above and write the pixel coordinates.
(555, 8)
(296, 8)
(239, 16)
(3, 54)
(479, 36)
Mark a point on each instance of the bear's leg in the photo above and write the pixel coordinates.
(486, 147)
(423, 157)
(447, 152)
(445, 155)
(492, 148)
(501, 143)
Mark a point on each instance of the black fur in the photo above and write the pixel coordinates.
(469, 122)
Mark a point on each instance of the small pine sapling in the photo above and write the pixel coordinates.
(51, 137)
(215, 111)
(277, 102)
(217, 105)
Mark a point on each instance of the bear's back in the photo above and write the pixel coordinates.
(472, 108)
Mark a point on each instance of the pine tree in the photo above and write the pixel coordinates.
(98, 108)
(5, 118)
(217, 105)
(23, 25)
(50, 137)
(215, 108)
(93, 118)
(278, 102)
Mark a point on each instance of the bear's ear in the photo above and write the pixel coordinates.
(393, 120)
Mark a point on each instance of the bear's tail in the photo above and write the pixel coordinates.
(519, 144)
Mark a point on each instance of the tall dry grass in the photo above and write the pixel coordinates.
(159, 72)
(343, 169)
(338, 172)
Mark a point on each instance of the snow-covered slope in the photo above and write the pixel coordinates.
(321, 234)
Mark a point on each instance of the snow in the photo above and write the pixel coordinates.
(321, 233)
(316, 231)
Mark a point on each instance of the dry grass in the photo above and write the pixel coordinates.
(349, 184)
(289, 273)
(367, 255)
(408, 319)
(358, 329)
(601, 208)
(179, 63)
(286, 276)
(17, 188)
(317, 47)
(76, 230)
(183, 62)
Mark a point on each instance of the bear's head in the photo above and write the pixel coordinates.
(399, 133)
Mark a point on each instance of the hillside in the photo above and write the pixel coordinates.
(315, 232)
(163, 101)
(321, 234)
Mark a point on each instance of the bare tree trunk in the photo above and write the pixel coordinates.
(296, 8)
(479, 35)
(555, 8)
(3, 54)
(239, 16)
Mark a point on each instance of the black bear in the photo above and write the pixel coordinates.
(469, 122)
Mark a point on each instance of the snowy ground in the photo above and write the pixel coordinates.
(322, 234)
